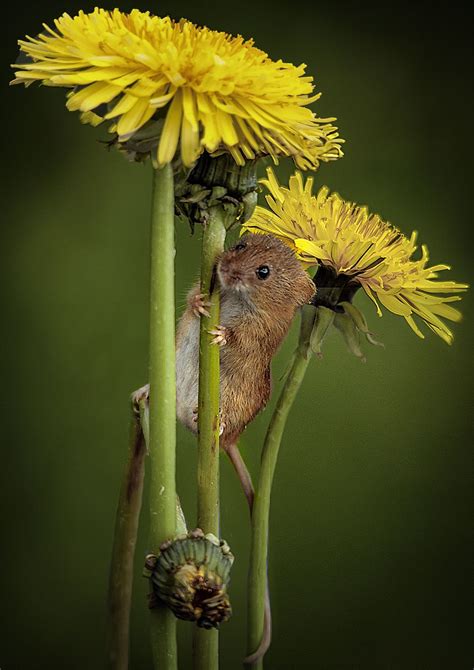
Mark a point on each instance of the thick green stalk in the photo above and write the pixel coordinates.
(121, 568)
(206, 642)
(261, 509)
(181, 527)
(162, 403)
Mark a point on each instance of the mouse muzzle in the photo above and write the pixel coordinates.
(229, 276)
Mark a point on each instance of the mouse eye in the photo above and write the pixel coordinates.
(240, 246)
(263, 272)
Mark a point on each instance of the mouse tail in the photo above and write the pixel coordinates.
(267, 632)
(245, 479)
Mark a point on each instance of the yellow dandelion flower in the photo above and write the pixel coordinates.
(354, 249)
(212, 91)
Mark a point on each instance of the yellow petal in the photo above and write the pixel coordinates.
(190, 148)
(444, 333)
(90, 76)
(392, 303)
(204, 104)
(236, 155)
(226, 128)
(162, 100)
(369, 292)
(91, 118)
(134, 119)
(170, 134)
(310, 248)
(90, 97)
(447, 312)
(123, 106)
(211, 138)
(189, 108)
(411, 322)
(247, 134)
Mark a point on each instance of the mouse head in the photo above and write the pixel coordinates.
(266, 272)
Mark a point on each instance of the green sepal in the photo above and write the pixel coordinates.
(371, 339)
(349, 331)
(360, 322)
(195, 194)
(356, 315)
(324, 320)
(217, 181)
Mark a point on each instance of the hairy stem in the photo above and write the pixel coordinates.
(257, 584)
(162, 402)
(206, 642)
(123, 552)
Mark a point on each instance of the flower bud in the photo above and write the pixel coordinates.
(190, 575)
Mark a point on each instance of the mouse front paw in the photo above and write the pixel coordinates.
(221, 335)
(199, 305)
(222, 425)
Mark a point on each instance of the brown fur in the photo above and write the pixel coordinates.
(257, 315)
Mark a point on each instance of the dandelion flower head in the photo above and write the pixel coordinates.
(213, 91)
(360, 249)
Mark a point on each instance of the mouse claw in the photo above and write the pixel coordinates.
(220, 335)
(199, 305)
(195, 420)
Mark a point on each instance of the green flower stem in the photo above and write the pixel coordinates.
(162, 402)
(261, 509)
(181, 527)
(121, 568)
(206, 642)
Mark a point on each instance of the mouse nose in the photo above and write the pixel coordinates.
(229, 273)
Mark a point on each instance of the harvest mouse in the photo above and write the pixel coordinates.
(261, 286)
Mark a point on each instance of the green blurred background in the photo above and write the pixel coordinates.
(371, 515)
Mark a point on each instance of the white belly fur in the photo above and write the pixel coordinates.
(187, 375)
(233, 306)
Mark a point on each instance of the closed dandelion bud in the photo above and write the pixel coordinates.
(190, 575)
